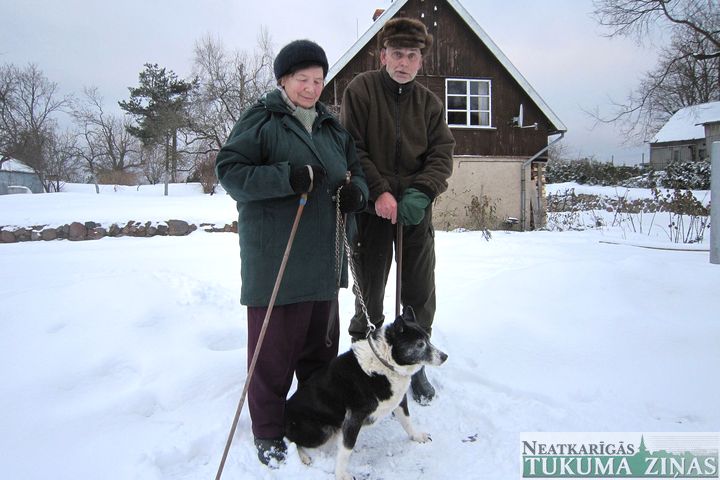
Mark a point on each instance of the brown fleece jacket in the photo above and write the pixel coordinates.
(400, 134)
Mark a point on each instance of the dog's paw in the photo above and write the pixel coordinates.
(304, 457)
(343, 476)
(421, 437)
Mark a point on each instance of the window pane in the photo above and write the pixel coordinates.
(468, 102)
(456, 87)
(457, 103)
(457, 118)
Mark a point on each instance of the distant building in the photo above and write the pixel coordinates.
(14, 173)
(686, 136)
(712, 133)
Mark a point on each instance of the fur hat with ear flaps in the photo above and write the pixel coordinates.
(405, 33)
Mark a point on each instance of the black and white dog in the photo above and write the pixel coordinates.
(360, 387)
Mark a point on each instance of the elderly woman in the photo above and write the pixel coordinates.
(286, 145)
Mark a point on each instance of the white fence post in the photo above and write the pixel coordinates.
(715, 204)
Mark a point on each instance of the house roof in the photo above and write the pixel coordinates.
(13, 165)
(687, 123)
(481, 34)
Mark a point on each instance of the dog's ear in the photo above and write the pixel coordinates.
(406, 318)
(408, 315)
(399, 324)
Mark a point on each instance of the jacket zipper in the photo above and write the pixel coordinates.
(397, 130)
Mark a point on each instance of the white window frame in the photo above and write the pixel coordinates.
(467, 109)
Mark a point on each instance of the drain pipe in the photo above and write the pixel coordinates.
(523, 194)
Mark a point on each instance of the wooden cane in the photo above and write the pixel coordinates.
(398, 264)
(263, 329)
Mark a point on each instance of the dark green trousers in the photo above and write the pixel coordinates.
(373, 256)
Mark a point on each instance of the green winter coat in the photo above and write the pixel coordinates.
(254, 168)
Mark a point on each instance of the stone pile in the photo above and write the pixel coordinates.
(78, 231)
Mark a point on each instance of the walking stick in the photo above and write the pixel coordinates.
(398, 262)
(263, 329)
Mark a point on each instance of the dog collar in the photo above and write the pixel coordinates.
(377, 355)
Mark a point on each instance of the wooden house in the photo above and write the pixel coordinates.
(686, 136)
(500, 123)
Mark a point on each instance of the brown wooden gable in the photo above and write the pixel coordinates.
(458, 52)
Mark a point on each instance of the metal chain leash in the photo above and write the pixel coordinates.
(339, 229)
(341, 234)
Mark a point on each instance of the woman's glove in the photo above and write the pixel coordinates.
(351, 199)
(412, 205)
(301, 180)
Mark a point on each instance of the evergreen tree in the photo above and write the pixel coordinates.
(159, 106)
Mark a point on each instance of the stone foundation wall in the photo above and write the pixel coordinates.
(78, 231)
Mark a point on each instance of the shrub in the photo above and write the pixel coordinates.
(117, 177)
(590, 172)
(687, 175)
(204, 173)
(687, 217)
(481, 214)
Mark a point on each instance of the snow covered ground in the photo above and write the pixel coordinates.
(124, 358)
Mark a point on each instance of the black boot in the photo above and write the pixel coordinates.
(422, 391)
(270, 449)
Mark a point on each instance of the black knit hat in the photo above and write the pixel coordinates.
(298, 55)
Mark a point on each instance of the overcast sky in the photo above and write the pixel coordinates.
(555, 44)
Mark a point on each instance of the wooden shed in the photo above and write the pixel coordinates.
(16, 177)
(500, 123)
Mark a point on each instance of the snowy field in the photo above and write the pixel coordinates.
(124, 358)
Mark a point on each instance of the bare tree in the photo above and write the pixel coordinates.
(688, 67)
(7, 87)
(63, 164)
(106, 145)
(637, 18)
(153, 161)
(559, 152)
(28, 104)
(229, 82)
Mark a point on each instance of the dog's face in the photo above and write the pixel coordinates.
(410, 344)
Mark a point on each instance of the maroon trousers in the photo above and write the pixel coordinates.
(295, 343)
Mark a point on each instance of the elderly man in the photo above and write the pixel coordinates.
(405, 148)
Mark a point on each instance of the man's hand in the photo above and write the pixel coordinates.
(412, 206)
(386, 207)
